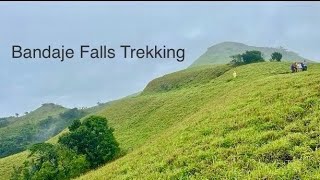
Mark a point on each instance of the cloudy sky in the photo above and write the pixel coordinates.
(26, 84)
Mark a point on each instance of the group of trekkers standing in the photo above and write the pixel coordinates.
(299, 66)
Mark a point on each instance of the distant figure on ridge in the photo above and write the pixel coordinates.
(299, 67)
(304, 65)
(234, 74)
(294, 67)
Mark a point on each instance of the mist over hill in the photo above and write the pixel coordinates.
(220, 53)
(20, 132)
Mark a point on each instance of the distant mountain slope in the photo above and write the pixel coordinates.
(17, 133)
(44, 111)
(220, 53)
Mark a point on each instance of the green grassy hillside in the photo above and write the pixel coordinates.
(262, 124)
(35, 116)
(186, 78)
(17, 133)
(220, 53)
(38, 116)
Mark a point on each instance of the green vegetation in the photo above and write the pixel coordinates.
(264, 124)
(252, 57)
(34, 127)
(88, 144)
(6, 121)
(276, 56)
(8, 163)
(186, 78)
(48, 161)
(220, 53)
(19, 132)
(261, 125)
(92, 138)
(247, 58)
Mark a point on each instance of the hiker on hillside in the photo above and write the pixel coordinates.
(294, 67)
(234, 74)
(304, 65)
(299, 66)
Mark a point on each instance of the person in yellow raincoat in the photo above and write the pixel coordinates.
(234, 74)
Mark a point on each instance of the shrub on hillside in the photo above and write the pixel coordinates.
(87, 145)
(252, 57)
(47, 161)
(92, 138)
(276, 56)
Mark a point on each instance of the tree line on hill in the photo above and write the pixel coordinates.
(253, 57)
(87, 145)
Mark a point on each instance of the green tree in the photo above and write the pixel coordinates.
(54, 162)
(236, 59)
(72, 114)
(276, 56)
(75, 125)
(92, 138)
(252, 57)
(247, 58)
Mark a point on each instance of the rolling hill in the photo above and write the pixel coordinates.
(16, 133)
(261, 125)
(39, 125)
(220, 53)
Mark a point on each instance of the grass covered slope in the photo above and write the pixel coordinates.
(7, 163)
(263, 124)
(220, 53)
(34, 116)
(186, 78)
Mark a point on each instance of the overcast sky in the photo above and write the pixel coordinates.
(26, 84)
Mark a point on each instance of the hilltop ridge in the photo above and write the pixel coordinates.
(220, 53)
